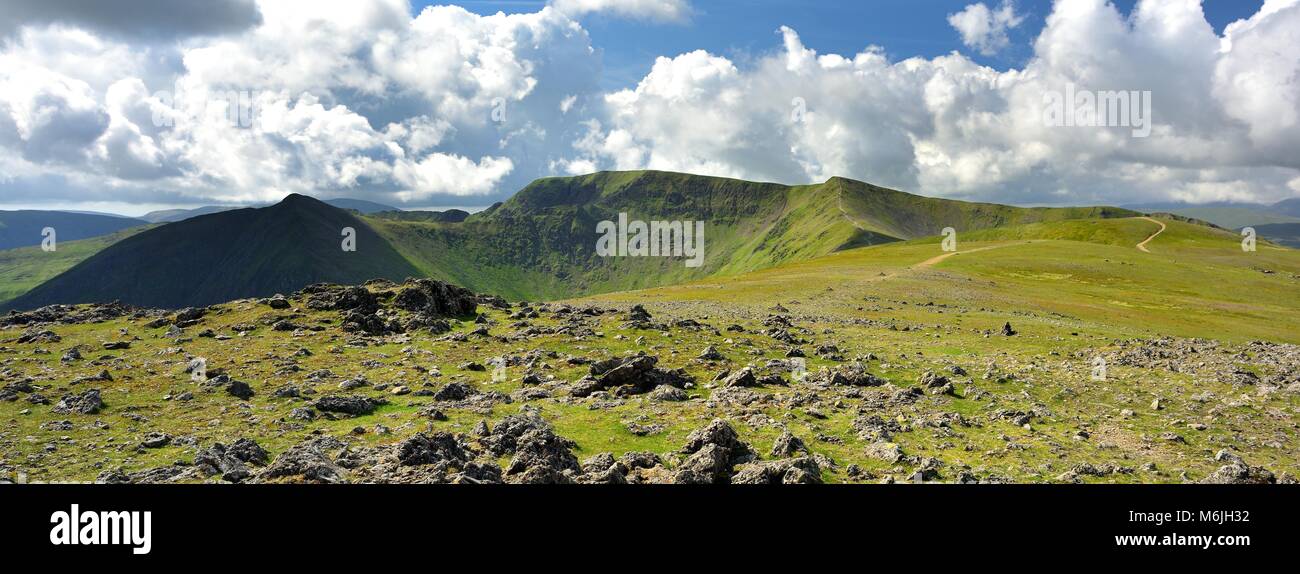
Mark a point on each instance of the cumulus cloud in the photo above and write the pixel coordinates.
(352, 98)
(447, 107)
(985, 29)
(657, 10)
(147, 18)
(1224, 110)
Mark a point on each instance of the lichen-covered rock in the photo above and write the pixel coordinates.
(85, 403)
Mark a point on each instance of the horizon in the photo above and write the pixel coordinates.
(141, 210)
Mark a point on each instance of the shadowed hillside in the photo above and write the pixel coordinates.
(227, 255)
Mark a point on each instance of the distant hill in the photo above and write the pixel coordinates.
(448, 216)
(1236, 217)
(1230, 215)
(24, 268)
(173, 215)
(23, 228)
(366, 207)
(227, 255)
(1287, 234)
(1289, 207)
(539, 244)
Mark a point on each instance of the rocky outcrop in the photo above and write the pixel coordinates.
(628, 376)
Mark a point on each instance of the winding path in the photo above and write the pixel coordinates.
(1143, 246)
(937, 258)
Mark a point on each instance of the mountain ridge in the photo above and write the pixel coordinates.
(232, 254)
(23, 228)
(540, 244)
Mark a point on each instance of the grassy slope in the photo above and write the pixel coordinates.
(540, 244)
(23, 268)
(908, 216)
(226, 255)
(1196, 282)
(1067, 298)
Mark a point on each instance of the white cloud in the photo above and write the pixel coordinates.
(657, 10)
(350, 98)
(948, 126)
(449, 174)
(985, 29)
(366, 99)
(1256, 75)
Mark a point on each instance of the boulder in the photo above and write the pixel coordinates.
(85, 403)
(803, 470)
(354, 405)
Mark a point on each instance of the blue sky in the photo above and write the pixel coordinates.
(739, 29)
(395, 103)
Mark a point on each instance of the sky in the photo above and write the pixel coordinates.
(740, 28)
(149, 104)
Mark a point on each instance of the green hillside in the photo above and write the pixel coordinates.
(540, 244)
(226, 255)
(24, 268)
(911, 373)
(906, 216)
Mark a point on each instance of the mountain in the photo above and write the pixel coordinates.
(1282, 233)
(366, 207)
(173, 215)
(103, 213)
(1289, 207)
(232, 254)
(448, 216)
(1236, 217)
(1229, 215)
(540, 244)
(24, 268)
(23, 228)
